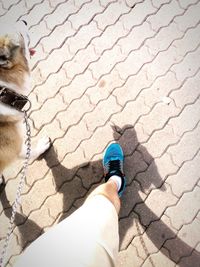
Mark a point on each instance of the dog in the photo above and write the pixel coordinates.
(14, 88)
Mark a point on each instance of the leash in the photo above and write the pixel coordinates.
(16, 203)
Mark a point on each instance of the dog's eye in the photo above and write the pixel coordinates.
(3, 58)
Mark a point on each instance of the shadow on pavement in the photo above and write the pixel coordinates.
(75, 184)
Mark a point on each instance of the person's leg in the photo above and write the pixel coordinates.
(109, 190)
(89, 237)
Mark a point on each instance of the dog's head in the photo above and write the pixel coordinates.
(14, 45)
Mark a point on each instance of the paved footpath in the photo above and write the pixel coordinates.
(125, 70)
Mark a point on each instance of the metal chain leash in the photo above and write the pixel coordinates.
(19, 190)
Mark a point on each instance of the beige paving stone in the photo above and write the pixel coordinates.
(128, 230)
(190, 36)
(164, 37)
(188, 65)
(157, 171)
(192, 260)
(60, 14)
(104, 87)
(98, 141)
(131, 113)
(111, 14)
(38, 193)
(187, 147)
(51, 86)
(188, 92)
(141, 135)
(99, 68)
(69, 191)
(185, 210)
(50, 67)
(151, 210)
(14, 247)
(48, 115)
(37, 13)
(71, 139)
(111, 36)
(133, 164)
(159, 259)
(142, 244)
(52, 207)
(137, 14)
(166, 13)
(80, 62)
(75, 112)
(137, 36)
(4, 224)
(36, 171)
(191, 16)
(34, 102)
(8, 4)
(2, 10)
(160, 141)
(124, 260)
(158, 116)
(83, 37)
(186, 178)
(77, 87)
(185, 122)
(185, 4)
(184, 243)
(134, 63)
(57, 38)
(52, 130)
(106, 109)
(131, 88)
(188, 235)
(85, 14)
(133, 192)
(14, 12)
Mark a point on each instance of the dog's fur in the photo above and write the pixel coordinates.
(15, 75)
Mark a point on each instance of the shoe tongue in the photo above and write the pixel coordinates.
(114, 158)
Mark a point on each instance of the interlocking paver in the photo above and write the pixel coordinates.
(159, 259)
(111, 14)
(60, 14)
(33, 200)
(187, 93)
(186, 178)
(123, 260)
(166, 13)
(77, 87)
(74, 114)
(48, 115)
(191, 16)
(51, 87)
(163, 196)
(109, 37)
(85, 14)
(125, 71)
(187, 147)
(140, 11)
(37, 13)
(189, 235)
(188, 205)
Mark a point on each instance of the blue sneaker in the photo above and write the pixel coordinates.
(113, 164)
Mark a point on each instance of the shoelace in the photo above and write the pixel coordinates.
(114, 165)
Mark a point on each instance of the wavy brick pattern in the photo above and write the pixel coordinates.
(114, 70)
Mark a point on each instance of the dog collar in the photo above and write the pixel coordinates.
(13, 99)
